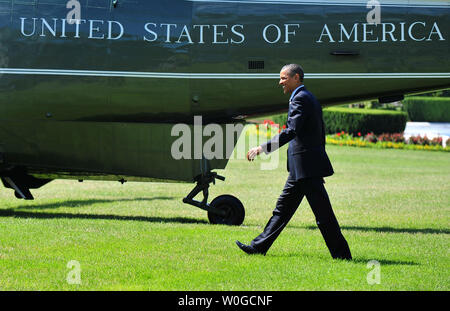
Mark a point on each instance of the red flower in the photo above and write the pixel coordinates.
(338, 134)
(284, 126)
(359, 134)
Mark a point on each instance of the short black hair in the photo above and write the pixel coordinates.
(293, 69)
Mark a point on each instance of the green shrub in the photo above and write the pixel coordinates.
(363, 121)
(354, 120)
(427, 109)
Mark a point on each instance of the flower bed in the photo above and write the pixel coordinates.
(268, 129)
(393, 141)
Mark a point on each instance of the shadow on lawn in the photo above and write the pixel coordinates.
(15, 212)
(20, 214)
(357, 259)
(79, 203)
(389, 229)
(386, 262)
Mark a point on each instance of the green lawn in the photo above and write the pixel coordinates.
(393, 207)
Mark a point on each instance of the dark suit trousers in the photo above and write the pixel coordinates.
(287, 204)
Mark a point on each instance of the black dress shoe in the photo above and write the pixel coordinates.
(249, 249)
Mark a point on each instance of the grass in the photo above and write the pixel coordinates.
(393, 207)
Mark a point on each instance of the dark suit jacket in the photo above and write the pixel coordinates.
(306, 136)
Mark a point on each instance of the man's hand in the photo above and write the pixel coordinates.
(252, 153)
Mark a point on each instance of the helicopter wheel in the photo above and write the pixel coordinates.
(233, 208)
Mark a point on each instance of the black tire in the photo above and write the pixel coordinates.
(235, 212)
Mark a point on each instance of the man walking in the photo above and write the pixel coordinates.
(307, 164)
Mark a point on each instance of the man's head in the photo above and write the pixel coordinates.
(291, 77)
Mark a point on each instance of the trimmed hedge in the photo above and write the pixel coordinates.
(363, 121)
(427, 109)
(354, 120)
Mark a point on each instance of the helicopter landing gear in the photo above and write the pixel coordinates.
(225, 209)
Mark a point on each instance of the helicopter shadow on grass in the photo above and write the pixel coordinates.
(19, 212)
(87, 202)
